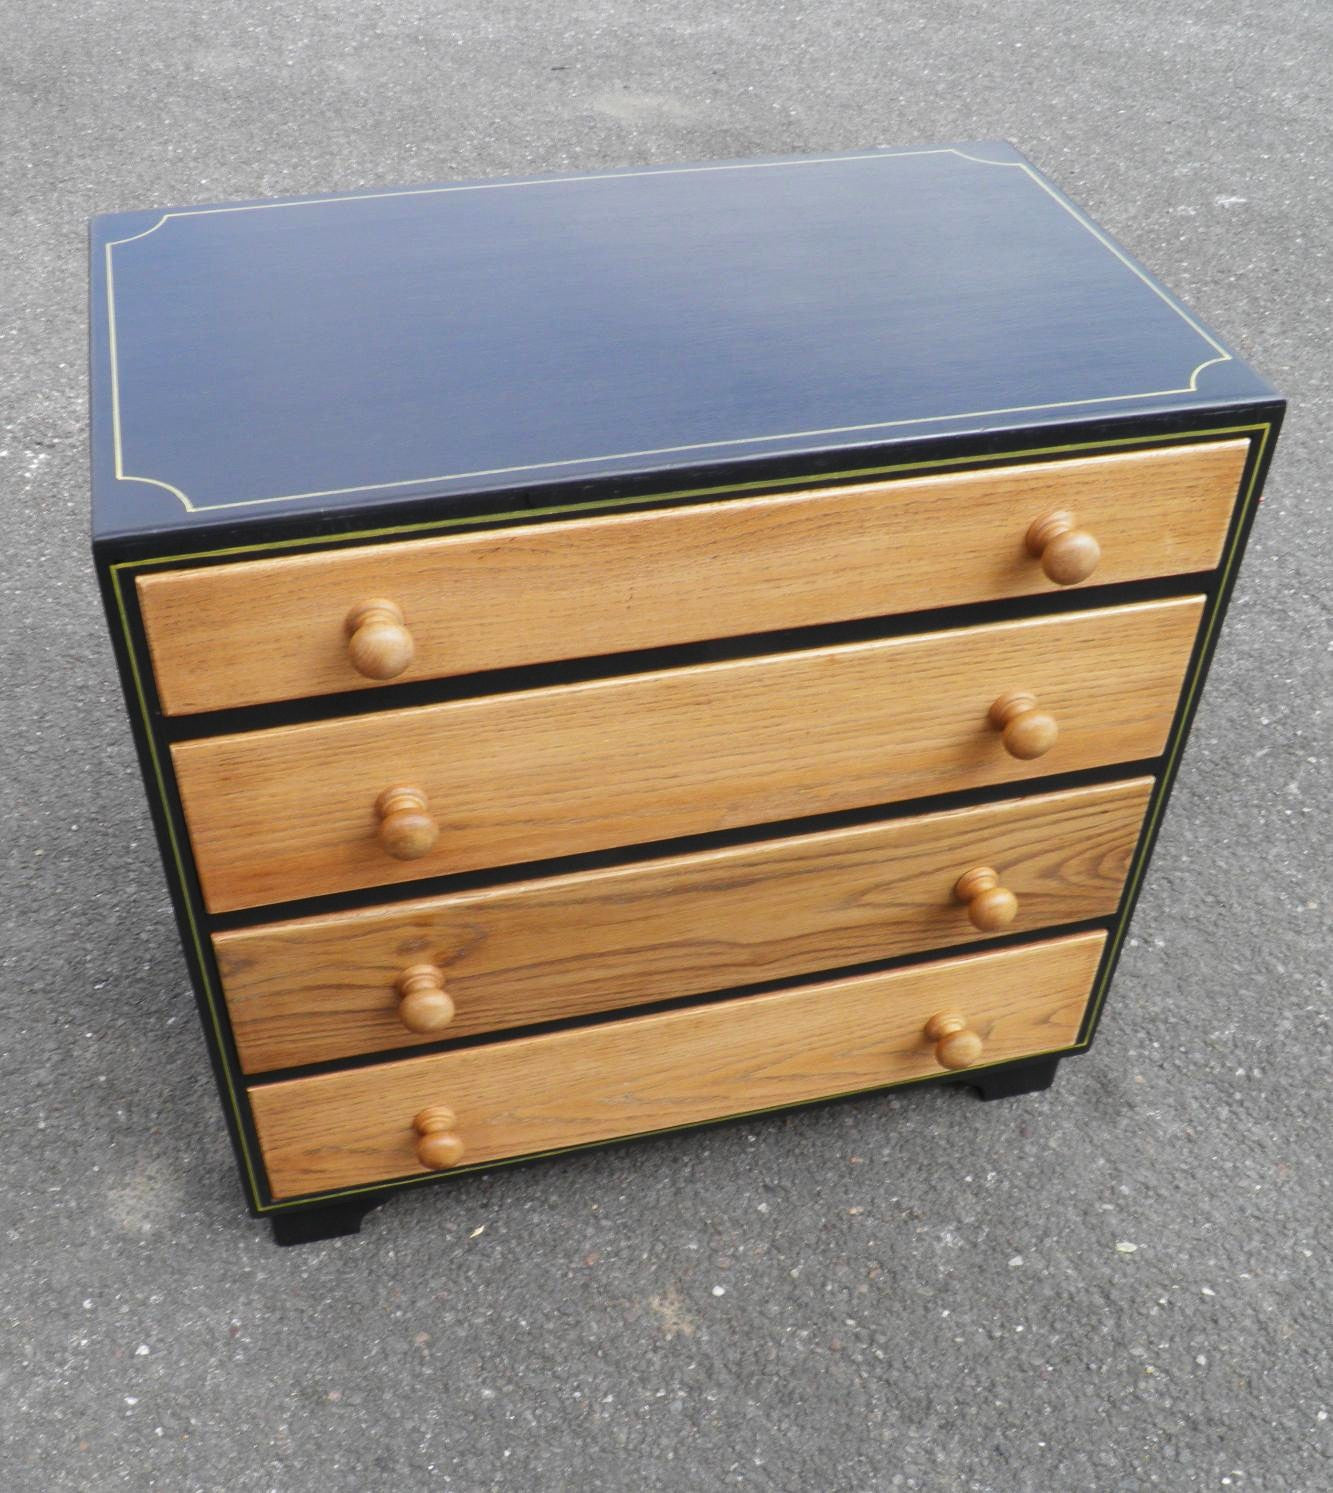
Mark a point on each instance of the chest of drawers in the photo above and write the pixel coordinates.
(619, 651)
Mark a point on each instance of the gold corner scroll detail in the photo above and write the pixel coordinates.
(1221, 354)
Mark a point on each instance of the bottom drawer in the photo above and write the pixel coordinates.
(646, 1073)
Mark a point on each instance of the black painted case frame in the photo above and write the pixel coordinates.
(119, 561)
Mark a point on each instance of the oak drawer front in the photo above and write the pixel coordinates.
(265, 630)
(646, 1073)
(292, 812)
(324, 988)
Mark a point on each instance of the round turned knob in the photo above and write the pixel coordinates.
(955, 1045)
(440, 1146)
(424, 1005)
(990, 906)
(1068, 554)
(407, 831)
(1028, 732)
(378, 644)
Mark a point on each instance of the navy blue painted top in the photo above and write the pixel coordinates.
(331, 353)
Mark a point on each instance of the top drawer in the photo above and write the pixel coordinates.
(266, 630)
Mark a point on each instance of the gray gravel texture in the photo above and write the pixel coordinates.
(1123, 1284)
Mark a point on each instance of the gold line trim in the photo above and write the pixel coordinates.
(178, 860)
(681, 494)
(1171, 757)
(1191, 387)
(549, 181)
(1115, 934)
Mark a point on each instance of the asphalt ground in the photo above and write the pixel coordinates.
(1121, 1284)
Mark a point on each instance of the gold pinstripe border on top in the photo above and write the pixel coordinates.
(1190, 386)
(176, 859)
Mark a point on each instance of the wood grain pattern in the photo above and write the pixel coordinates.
(264, 630)
(647, 1073)
(323, 988)
(290, 812)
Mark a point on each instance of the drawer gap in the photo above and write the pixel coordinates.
(596, 860)
(681, 1003)
(297, 712)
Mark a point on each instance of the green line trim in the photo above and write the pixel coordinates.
(1177, 743)
(179, 862)
(1117, 931)
(481, 521)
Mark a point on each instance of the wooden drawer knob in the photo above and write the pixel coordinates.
(378, 644)
(1027, 731)
(990, 906)
(955, 1045)
(407, 831)
(424, 1006)
(440, 1146)
(1067, 553)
